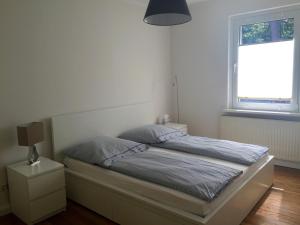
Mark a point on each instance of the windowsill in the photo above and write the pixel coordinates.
(262, 114)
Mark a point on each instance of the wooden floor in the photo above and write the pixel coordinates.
(280, 206)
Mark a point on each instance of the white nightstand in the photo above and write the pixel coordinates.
(36, 192)
(178, 126)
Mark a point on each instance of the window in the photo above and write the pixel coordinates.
(264, 51)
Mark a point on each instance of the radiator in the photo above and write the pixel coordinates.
(282, 137)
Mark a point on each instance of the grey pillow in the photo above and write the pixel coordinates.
(152, 134)
(104, 150)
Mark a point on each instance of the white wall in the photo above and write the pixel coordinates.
(199, 59)
(60, 56)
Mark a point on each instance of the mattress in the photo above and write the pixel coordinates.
(164, 195)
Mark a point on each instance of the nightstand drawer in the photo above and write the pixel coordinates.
(47, 205)
(46, 184)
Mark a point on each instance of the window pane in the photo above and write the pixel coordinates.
(265, 72)
(266, 61)
(266, 32)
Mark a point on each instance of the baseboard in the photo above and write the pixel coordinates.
(284, 163)
(4, 209)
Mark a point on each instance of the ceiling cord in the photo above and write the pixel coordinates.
(177, 98)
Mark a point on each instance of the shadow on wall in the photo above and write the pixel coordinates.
(7, 145)
(7, 138)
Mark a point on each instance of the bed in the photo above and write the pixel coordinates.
(129, 201)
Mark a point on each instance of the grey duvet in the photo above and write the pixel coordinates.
(182, 172)
(245, 154)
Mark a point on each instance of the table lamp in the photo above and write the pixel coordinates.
(29, 135)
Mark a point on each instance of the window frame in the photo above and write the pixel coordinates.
(235, 22)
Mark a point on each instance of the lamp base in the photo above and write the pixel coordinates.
(34, 164)
(33, 156)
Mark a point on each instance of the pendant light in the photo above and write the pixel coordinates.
(167, 12)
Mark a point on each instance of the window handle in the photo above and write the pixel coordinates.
(235, 67)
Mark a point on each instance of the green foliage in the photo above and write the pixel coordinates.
(256, 33)
(265, 32)
(287, 29)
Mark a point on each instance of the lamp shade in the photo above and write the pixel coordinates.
(167, 12)
(30, 134)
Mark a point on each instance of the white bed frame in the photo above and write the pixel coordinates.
(127, 208)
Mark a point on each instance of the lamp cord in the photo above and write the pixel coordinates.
(177, 98)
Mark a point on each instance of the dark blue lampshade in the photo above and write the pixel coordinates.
(167, 12)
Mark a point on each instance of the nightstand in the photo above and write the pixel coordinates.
(178, 126)
(36, 192)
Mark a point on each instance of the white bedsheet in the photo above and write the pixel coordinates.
(162, 194)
